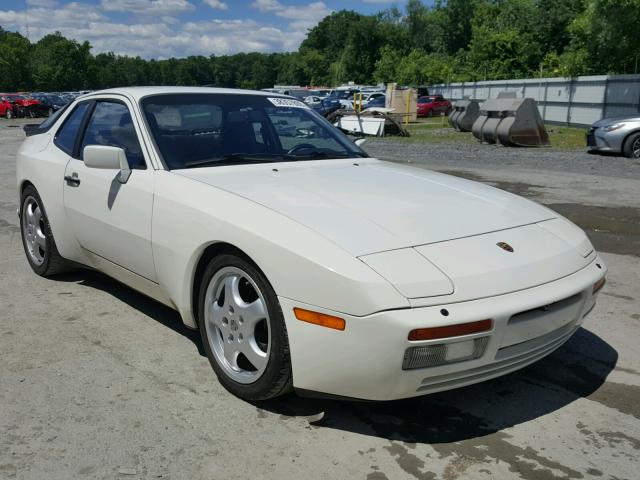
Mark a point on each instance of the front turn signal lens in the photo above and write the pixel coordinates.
(599, 284)
(435, 333)
(321, 319)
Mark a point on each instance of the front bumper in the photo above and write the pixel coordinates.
(600, 141)
(365, 360)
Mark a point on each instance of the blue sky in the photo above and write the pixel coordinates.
(165, 28)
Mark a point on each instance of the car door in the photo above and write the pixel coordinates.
(112, 219)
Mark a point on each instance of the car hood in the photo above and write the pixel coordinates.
(610, 121)
(367, 205)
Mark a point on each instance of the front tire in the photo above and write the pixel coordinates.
(9, 114)
(243, 329)
(37, 237)
(632, 146)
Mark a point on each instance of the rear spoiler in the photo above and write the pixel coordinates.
(33, 129)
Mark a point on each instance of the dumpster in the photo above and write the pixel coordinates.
(463, 114)
(512, 122)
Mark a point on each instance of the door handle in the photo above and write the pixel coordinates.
(72, 180)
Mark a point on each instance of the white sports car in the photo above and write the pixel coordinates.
(303, 262)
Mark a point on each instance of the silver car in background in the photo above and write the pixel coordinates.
(615, 135)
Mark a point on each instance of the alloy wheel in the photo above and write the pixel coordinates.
(237, 325)
(33, 230)
(635, 148)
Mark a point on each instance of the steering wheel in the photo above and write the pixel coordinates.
(301, 146)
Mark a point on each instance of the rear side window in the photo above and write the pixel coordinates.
(65, 139)
(48, 123)
(111, 125)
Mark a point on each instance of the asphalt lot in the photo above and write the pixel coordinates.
(97, 381)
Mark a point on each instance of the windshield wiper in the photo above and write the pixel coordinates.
(238, 158)
(318, 154)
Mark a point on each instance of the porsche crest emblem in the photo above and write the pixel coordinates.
(505, 246)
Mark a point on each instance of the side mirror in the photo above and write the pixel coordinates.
(107, 158)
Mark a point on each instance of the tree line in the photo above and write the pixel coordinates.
(452, 40)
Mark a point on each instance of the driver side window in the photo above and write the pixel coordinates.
(111, 125)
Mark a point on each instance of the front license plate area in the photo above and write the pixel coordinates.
(536, 322)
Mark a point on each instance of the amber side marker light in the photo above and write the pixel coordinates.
(435, 333)
(599, 284)
(321, 319)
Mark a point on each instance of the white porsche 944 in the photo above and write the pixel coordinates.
(303, 262)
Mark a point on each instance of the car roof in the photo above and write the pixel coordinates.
(139, 92)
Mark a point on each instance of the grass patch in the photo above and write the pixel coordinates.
(567, 138)
(434, 131)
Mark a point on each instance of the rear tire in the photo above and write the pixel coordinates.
(239, 312)
(37, 237)
(632, 146)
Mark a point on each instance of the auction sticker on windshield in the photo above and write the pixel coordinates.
(287, 102)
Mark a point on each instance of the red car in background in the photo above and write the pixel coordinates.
(23, 106)
(431, 105)
(7, 108)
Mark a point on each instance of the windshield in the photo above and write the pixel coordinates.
(425, 100)
(344, 94)
(194, 130)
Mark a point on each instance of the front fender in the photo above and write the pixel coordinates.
(301, 265)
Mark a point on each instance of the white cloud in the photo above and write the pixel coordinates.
(164, 34)
(267, 5)
(147, 7)
(70, 15)
(217, 4)
(315, 11)
(303, 17)
(42, 3)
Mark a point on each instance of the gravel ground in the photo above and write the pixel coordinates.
(467, 153)
(99, 382)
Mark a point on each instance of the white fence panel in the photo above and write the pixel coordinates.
(578, 101)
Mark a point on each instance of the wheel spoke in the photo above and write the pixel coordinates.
(257, 357)
(230, 352)
(217, 314)
(30, 215)
(37, 216)
(253, 312)
(40, 239)
(232, 291)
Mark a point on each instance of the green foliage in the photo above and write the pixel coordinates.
(448, 40)
(605, 38)
(14, 71)
(58, 63)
